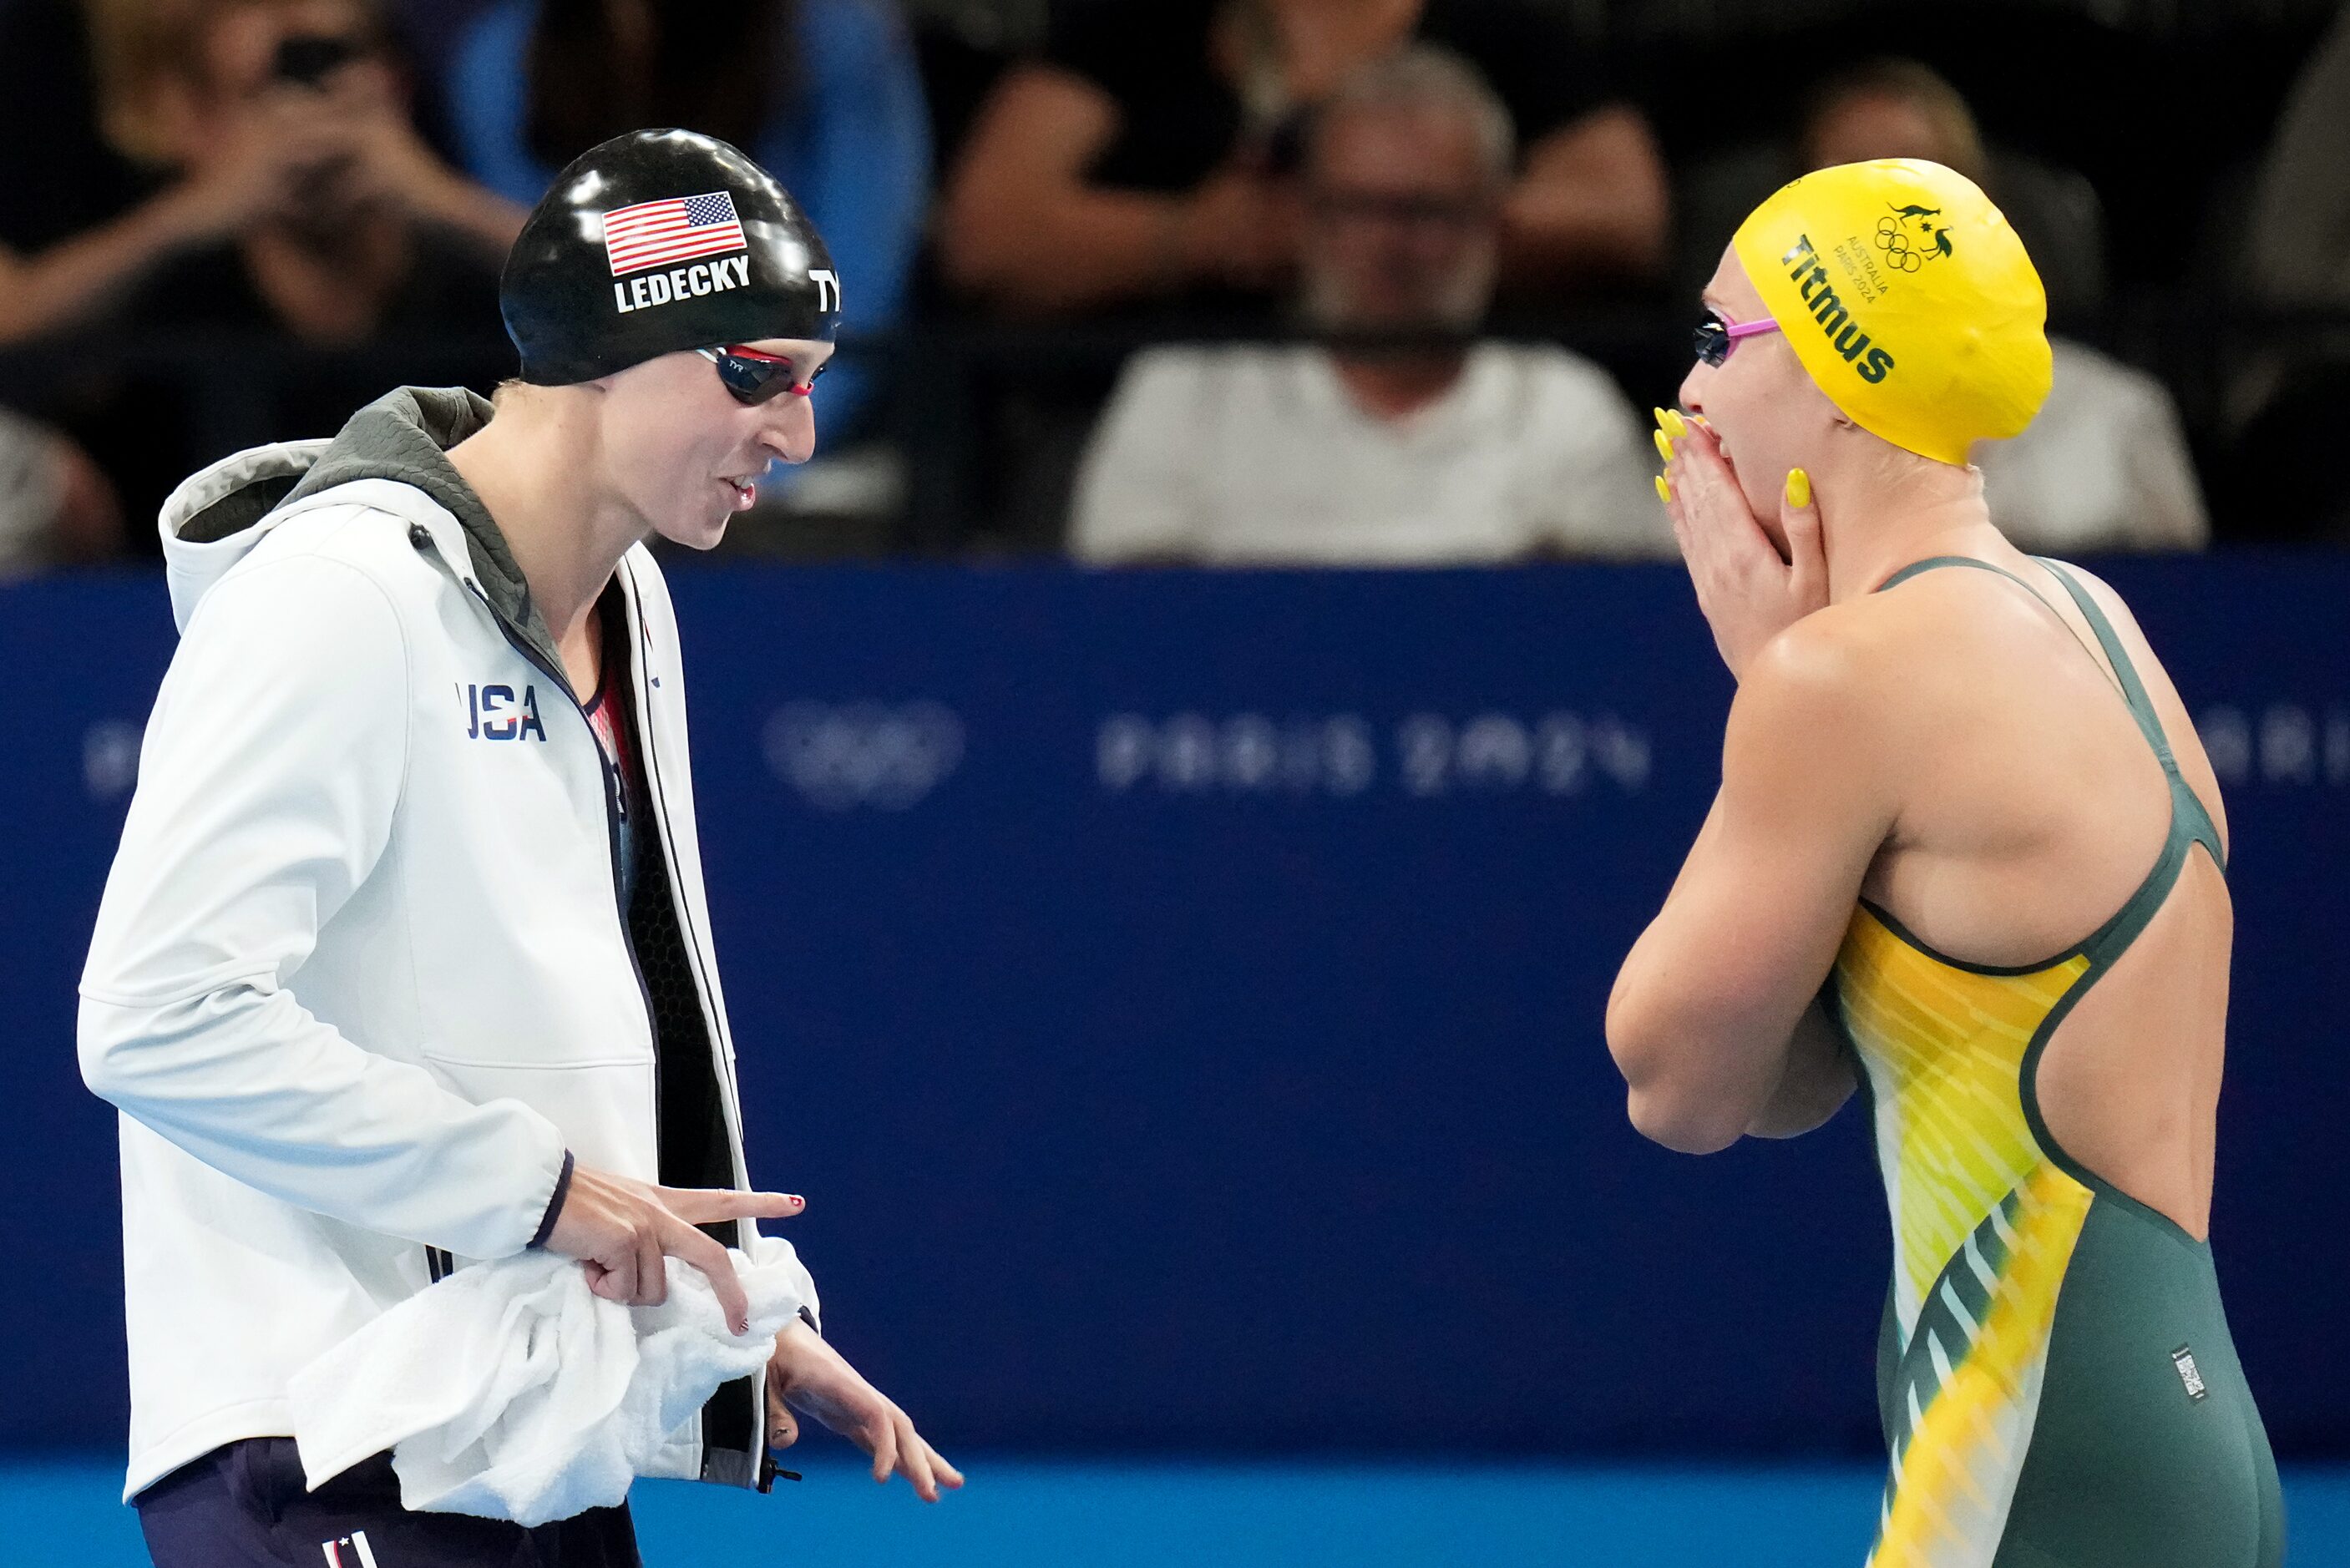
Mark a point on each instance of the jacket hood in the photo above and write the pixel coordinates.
(217, 515)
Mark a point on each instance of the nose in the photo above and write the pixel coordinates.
(790, 433)
(1693, 386)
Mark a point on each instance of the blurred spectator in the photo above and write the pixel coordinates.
(823, 93)
(59, 176)
(55, 508)
(1378, 455)
(2300, 241)
(2105, 466)
(1140, 157)
(1900, 105)
(298, 198)
(2295, 256)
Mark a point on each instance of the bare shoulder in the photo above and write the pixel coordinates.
(1846, 655)
(1878, 684)
(1821, 684)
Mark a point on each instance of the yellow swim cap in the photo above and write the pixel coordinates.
(1908, 298)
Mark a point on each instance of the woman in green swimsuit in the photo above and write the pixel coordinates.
(1968, 855)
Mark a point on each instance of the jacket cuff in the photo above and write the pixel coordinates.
(553, 1205)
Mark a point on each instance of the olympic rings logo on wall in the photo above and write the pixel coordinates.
(839, 757)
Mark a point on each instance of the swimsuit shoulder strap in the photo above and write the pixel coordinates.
(2141, 706)
(2191, 820)
(1934, 563)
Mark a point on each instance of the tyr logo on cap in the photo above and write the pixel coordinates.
(663, 234)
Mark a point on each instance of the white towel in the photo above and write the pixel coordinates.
(509, 1391)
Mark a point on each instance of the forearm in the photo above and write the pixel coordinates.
(1818, 1078)
(483, 221)
(246, 1081)
(1594, 198)
(1708, 1053)
(72, 281)
(1690, 1083)
(1081, 248)
(1550, 228)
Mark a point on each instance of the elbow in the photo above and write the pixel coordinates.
(1666, 1105)
(103, 1049)
(124, 1051)
(1679, 1121)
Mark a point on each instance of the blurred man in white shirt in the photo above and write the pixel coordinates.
(2105, 466)
(1298, 454)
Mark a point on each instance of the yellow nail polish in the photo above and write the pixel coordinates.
(1799, 488)
(1664, 447)
(1661, 417)
(1675, 426)
(1664, 491)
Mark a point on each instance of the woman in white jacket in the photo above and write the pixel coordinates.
(405, 959)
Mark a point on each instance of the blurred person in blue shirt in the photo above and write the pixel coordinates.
(823, 93)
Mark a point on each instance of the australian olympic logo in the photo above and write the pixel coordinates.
(842, 756)
(1911, 236)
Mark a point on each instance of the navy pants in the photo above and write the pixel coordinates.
(243, 1506)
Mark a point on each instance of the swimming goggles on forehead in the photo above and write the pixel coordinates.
(1716, 337)
(755, 378)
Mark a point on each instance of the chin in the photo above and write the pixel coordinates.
(705, 537)
(694, 534)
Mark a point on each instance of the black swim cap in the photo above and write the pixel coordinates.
(656, 242)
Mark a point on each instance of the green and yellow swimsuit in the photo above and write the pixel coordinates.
(2054, 1374)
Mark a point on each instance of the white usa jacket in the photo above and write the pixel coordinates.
(361, 975)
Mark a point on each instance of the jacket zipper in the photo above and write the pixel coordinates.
(703, 988)
(765, 1469)
(763, 1460)
(611, 838)
(611, 827)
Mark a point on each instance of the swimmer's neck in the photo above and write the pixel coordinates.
(1875, 524)
(539, 468)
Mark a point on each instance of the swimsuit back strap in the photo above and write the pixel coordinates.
(2190, 819)
(2141, 706)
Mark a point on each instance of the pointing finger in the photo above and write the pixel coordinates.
(694, 1247)
(706, 1205)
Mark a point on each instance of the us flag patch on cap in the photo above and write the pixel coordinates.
(663, 234)
(348, 1551)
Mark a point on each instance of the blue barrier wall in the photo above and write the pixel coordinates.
(1180, 995)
